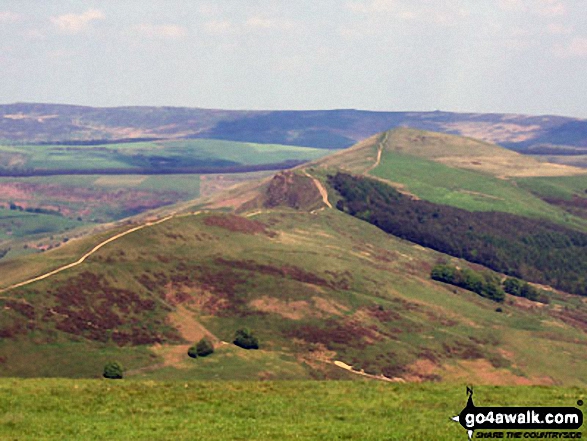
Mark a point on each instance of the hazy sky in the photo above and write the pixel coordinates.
(519, 56)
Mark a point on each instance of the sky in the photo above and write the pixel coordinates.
(503, 56)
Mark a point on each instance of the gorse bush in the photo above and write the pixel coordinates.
(519, 288)
(245, 339)
(113, 370)
(487, 284)
(204, 347)
(201, 349)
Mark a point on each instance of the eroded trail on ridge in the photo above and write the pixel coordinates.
(379, 152)
(320, 188)
(93, 250)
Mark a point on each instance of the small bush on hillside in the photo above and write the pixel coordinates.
(193, 352)
(245, 339)
(201, 349)
(204, 347)
(112, 370)
(519, 288)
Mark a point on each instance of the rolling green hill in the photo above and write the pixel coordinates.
(46, 191)
(460, 172)
(329, 295)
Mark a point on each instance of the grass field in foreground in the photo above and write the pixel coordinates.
(133, 410)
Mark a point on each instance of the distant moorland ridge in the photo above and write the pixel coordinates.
(331, 129)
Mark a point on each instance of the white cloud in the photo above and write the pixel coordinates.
(559, 29)
(367, 7)
(546, 8)
(260, 22)
(218, 27)
(512, 5)
(167, 31)
(551, 8)
(9, 17)
(60, 54)
(442, 13)
(577, 47)
(74, 23)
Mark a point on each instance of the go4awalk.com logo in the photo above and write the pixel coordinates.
(520, 422)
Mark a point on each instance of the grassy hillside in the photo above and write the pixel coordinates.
(96, 410)
(460, 172)
(316, 288)
(329, 296)
(138, 177)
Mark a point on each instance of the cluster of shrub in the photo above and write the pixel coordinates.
(243, 338)
(487, 284)
(483, 283)
(530, 249)
(36, 210)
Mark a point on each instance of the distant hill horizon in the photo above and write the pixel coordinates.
(42, 123)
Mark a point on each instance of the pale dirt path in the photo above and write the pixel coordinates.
(346, 367)
(93, 250)
(321, 189)
(176, 355)
(379, 152)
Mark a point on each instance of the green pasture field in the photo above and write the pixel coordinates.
(560, 187)
(466, 189)
(57, 409)
(196, 152)
(19, 224)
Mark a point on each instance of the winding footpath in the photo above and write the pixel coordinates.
(92, 251)
(382, 377)
(379, 152)
(320, 187)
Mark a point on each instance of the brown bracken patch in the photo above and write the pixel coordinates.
(238, 224)
(293, 310)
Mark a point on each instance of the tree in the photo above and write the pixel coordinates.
(112, 370)
(513, 286)
(245, 339)
(201, 349)
(204, 347)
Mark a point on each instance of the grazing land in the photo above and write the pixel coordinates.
(328, 295)
(144, 410)
(187, 156)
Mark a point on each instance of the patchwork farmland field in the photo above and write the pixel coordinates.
(139, 177)
(193, 156)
